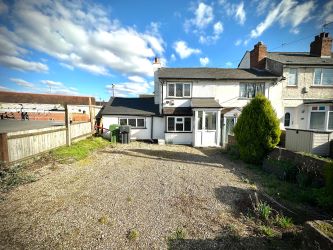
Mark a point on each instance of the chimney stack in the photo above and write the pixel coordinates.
(156, 64)
(258, 55)
(321, 46)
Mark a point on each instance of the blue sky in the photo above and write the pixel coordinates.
(83, 47)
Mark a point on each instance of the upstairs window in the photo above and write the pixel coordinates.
(179, 90)
(323, 76)
(250, 90)
(292, 77)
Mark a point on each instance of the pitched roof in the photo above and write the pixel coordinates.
(204, 103)
(299, 58)
(130, 106)
(214, 73)
(16, 97)
(177, 111)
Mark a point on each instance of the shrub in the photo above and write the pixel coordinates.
(257, 130)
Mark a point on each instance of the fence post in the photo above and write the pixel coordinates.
(92, 116)
(68, 126)
(4, 154)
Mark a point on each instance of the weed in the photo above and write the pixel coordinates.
(263, 210)
(14, 177)
(103, 220)
(79, 150)
(268, 231)
(133, 234)
(179, 234)
(283, 221)
(129, 199)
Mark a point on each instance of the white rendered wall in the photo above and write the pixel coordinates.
(136, 134)
(178, 138)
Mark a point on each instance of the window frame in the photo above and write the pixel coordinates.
(321, 78)
(178, 120)
(263, 84)
(136, 122)
(328, 108)
(296, 77)
(175, 88)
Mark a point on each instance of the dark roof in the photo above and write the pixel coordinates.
(16, 97)
(214, 73)
(317, 101)
(130, 106)
(204, 103)
(177, 111)
(299, 58)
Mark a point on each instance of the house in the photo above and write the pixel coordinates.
(190, 105)
(305, 93)
(199, 106)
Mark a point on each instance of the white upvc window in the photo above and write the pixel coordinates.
(179, 90)
(133, 122)
(323, 76)
(250, 90)
(179, 124)
(292, 77)
(321, 117)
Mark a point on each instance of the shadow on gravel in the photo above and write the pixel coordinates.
(229, 241)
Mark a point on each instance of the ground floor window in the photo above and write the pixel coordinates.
(321, 117)
(133, 122)
(179, 124)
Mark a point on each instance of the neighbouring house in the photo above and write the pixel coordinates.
(305, 93)
(199, 106)
(44, 107)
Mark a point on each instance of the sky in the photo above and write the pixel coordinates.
(83, 47)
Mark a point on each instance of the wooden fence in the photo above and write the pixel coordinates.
(21, 145)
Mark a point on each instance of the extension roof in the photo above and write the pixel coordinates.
(214, 74)
(144, 106)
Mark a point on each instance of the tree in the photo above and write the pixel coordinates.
(257, 130)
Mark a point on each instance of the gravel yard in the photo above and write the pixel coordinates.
(160, 193)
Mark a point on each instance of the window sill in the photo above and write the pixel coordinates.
(178, 97)
(178, 132)
(321, 86)
(292, 86)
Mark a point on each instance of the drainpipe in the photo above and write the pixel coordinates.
(152, 128)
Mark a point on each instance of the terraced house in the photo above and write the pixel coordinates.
(199, 106)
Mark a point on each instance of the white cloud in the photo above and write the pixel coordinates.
(262, 6)
(209, 39)
(20, 64)
(286, 12)
(129, 89)
(136, 79)
(80, 35)
(240, 13)
(183, 50)
(22, 82)
(204, 61)
(203, 15)
(4, 88)
(229, 64)
(52, 83)
(237, 11)
(173, 57)
(327, 13)
(70, 67)
(238, 42)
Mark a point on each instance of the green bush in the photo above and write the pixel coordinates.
(257, 130)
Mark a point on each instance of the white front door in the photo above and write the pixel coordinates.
(206, 128)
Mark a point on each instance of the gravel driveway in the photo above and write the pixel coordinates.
(154, 190)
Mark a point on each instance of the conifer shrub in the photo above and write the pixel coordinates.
(257, 130)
